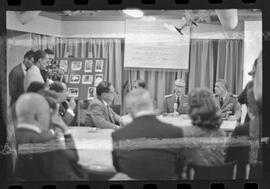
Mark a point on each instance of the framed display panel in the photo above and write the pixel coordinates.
(82, 75)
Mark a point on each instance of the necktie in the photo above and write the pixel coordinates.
(110, 114)
(178, 101)
(221, 102)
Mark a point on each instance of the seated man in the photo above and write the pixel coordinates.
(66, 108)
(99, 113)
(149, 164)
(178, 101)
(228, 104)
(39, 159)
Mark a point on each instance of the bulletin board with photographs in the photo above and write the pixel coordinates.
(82, 76)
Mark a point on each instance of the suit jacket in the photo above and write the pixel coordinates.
(230, 103)
(147, 162)
(98, 116)
(33, 74)
(16, 83)
(169, 104)
(44, 160)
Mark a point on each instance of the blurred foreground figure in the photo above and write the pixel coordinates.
(41, 158)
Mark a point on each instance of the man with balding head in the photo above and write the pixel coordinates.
(144, 125)
(41, 158)
(178, 101)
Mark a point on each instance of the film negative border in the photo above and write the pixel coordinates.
(264, 5)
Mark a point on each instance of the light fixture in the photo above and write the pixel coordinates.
(135, 13)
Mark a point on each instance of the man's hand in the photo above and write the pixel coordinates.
(72, 103)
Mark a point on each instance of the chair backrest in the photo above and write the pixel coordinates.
(149, 164)
(225, 171)
(82, 110)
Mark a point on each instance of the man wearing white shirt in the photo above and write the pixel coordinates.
(17, 75)
(41, 61)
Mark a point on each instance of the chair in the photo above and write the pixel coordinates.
(225, 171)
(81, 112)
(151, 164)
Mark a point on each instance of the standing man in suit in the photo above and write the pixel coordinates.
(99, 112)
(145, 125)
(17, 74)
(228, 104)
(41, 61)
(178, 101)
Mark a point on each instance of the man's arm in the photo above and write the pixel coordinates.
(237, 110)
(96, 114)
(12, 81)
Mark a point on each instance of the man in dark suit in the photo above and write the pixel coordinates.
(178, 101)
(17, 74)
(41, 158)
(155, 162)
(228, 103)
(99, 112)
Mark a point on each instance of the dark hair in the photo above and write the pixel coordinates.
(48, 51)
(35, 86)
(50, 96)
(252, 104)
(30, 54)
(39, 54)
(57, 87)
(203, 110)
(141, 83)
(223, 82)
(103, 87)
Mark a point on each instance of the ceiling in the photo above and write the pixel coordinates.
(117, 15)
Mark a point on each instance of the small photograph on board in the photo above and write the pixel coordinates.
(99, 66)
(88, 66)
(91, 93)
(76, 65)
(98, 79)
(73, 92)
(63, 64)
(87, 79)
(75, 79)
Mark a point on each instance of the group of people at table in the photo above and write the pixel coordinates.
(42, 114)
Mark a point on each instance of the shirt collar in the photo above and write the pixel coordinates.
(143, 113)
(24, 68)
(30, 127)
(177, 96)
(106, 104)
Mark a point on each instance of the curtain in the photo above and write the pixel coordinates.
(201, 64)
(42, 42)
(158, 82)
(110, 49)
(230, 64)
(212, 59)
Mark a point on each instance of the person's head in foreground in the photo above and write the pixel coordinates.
(61, 89)
(203, 110)
(35, 86)
(33, 109)
(139, 84)
(105, 91)
(139, 102)
(179, 87)
(221, 87)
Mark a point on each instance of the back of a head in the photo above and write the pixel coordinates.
(57, 86)
(39, 54)
(203, 110)
(139, 100)
(49, 51)
(141, 83)
(35, 86)
(29, 106)
(51, 97)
